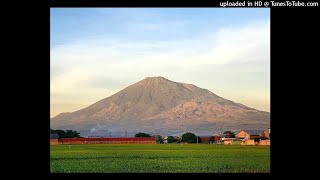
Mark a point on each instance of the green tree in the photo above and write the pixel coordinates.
(171, 139)
(211, 140)
(65, 134)
(140, 134)
(72, 134)
(189, 138)
(159, 139)
(60, 133)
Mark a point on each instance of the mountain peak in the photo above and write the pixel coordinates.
(154, 80)
(155, 77)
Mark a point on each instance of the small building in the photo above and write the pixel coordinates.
(264, 142)
(204, 139)
(217, 139)
(165, 139)
(227, 141)
(222, 137)
(266, 133)
(249, 134)
(248, 142)
(54, 139)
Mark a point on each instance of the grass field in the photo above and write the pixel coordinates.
(159, 158)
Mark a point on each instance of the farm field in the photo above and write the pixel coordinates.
(159, 158)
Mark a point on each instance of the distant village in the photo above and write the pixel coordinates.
(242, 137)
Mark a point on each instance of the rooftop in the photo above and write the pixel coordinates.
(253, 132)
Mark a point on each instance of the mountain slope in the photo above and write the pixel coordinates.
(160, 105)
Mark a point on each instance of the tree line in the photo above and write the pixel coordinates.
(65, 134)
(186, 137)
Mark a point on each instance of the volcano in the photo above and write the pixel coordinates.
(157, 105)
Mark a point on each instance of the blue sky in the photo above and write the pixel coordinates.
(68, 24)
(96, 52)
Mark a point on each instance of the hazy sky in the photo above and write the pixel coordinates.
(95, 52)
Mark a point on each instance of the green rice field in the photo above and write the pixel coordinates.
(159, 158)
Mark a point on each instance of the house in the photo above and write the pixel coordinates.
(204, 139)
(249, 134)
(228, 141)
(217, 139)
(165, 139)
(248, 142)
(223, 136)
(264, 142)
(266, 133)
(54, 139)
(248, 137)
